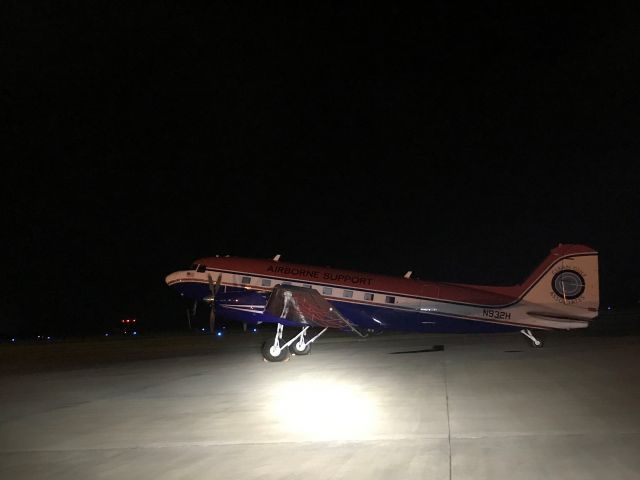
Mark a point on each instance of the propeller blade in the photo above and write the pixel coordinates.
(189, 318)
(218, 282)
(213, 287)
(212, 319)
(191, 312)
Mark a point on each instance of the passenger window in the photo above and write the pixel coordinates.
(347, 294)
(266, 282)
(327, 290)
(390, 299)
(368, 296)
(246, 280)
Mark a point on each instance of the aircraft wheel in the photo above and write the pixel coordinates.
(271, 356)
(533, 344)
(293, 348)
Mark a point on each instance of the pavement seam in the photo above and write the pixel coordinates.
(446, 392)
(336, 443)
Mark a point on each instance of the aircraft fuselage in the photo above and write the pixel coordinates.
(562, 293)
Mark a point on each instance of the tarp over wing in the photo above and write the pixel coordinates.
(305, 306)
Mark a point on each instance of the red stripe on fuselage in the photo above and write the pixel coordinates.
(445, 292)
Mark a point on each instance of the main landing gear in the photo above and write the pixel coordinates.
(275, 352)
(533, 341)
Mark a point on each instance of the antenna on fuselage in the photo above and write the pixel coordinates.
(408, 274)
(277, 258)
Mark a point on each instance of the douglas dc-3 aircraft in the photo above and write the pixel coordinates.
(561, 294)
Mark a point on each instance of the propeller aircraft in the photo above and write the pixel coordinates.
(562, 293)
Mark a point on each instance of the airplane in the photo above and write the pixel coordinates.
(562, 293)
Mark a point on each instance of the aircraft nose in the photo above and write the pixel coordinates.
(175, 277)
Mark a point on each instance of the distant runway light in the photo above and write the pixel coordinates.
(219, 334)
(135, 333)
(106, 334)
(255, 330)
(337, 410)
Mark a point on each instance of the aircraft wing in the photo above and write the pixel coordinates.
(304, 306)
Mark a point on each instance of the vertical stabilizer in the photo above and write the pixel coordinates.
(565, 285)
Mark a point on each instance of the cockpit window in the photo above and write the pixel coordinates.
(198, 267)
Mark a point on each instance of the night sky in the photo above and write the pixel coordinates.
(460, 142)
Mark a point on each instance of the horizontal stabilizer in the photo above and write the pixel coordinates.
(558, 321)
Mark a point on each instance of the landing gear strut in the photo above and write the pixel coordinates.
(279, 353)
(274, 352)
(533, 341)
(302, 346)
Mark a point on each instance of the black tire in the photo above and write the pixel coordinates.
(293, 348)
(266, 353)
(532, 344)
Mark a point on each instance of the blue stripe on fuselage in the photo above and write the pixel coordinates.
(363, 316)
(199, 290)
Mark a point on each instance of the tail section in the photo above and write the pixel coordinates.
(564, 290)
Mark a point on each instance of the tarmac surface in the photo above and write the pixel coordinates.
(386, 407)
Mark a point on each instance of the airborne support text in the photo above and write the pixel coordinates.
(303, 272)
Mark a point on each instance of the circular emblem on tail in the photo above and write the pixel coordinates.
(568, 284)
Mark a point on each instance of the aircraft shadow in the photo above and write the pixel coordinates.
(435, 348)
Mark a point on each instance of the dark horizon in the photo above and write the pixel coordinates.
(462, 143)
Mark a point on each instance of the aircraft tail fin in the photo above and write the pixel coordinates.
(565, 286)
